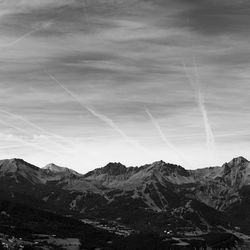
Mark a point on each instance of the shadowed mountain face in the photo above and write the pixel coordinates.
(155, 196)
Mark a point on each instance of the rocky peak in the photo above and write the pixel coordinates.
(238, 161)
(114, 168)
(235, 163)
(168, 169)
(111, 169)
(16, 164)
(55, 169)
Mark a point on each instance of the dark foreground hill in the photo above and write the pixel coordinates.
(24, 227)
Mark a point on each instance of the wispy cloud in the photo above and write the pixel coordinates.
(195, 83)
(38, 27)
(40, 129)
(111, 123)
(19, 39)
(115, 58)
(100, 116)
(27, 142)
(46, 141)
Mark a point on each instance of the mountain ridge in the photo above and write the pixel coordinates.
(112, 165)
(135, 193)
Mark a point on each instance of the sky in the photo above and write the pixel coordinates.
(87, 82)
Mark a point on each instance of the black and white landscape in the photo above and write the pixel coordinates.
(158, 88)
(207, 207)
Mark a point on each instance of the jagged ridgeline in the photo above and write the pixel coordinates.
(159, 198)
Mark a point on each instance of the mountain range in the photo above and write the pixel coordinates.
(159, 197)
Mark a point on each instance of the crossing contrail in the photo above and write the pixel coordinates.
(37, 127)
(98, 115)
(32, 124)
(165, 139)
(25, 35)
(66, 149)
(25, 141)
(201, 104)
(43, 25)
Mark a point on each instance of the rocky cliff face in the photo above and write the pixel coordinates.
(220, 187)
(116, 191)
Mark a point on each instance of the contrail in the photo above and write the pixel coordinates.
(29, 122)
(158, 128)
(164, 138)
(101, 117)
(109, 122)
(201, 104)
(26, 142)
(18, 39)
(46, 132)
(116, 128)
(41, 26)
(36, 127)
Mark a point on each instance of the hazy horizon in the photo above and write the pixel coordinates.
(84, 83)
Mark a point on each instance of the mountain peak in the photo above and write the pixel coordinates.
(161, 168)
(167, 167)
(15, 164)
(53, 168)
(111, 169)
(159, 163)
(238, 161)
(17, 161)
(162, 163)
(115, 168)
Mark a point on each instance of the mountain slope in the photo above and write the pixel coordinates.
(52, 169)
(152, 197)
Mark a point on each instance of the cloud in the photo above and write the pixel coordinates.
(26, 141)
(100, 116)
(211, 17)
(199, 95)
(122, 56)
(24, 5)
